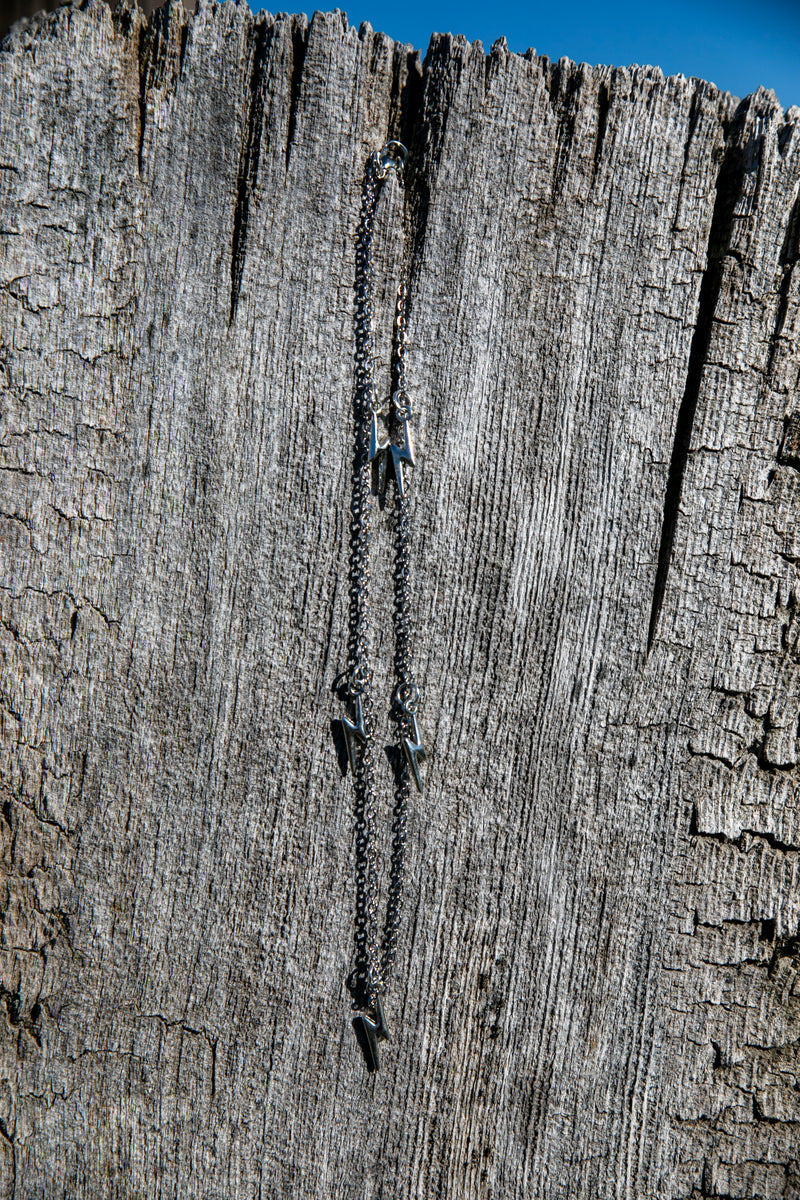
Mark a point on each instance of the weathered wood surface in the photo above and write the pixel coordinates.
(598, 989)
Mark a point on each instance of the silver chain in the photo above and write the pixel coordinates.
(379, 454)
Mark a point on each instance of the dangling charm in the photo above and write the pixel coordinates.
(378, 450)
(414, 750)
(401, 402)
(407, 700)
(373, 1031)
(355, 732)
(384, 450)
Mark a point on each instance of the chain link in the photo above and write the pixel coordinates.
(375, 953)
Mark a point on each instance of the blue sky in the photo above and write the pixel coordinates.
(737, 44)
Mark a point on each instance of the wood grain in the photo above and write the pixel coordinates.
(597, 993)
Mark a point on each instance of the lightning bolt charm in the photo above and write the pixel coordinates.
(385, 451)
(401, 454)
(413, 750)
(355, 733)
(373, 1031)
(378, 446)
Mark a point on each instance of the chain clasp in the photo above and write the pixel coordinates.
(393, 156)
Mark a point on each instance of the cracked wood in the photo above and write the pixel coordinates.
(598, 985)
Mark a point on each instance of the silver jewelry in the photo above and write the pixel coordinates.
(383, 449)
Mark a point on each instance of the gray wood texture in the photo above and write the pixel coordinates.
(598, 984)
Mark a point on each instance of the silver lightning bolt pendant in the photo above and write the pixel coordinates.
(378, 446)
(401, 454)
(414, 750)
(373, 1031)
(383, 450)
(355, 733)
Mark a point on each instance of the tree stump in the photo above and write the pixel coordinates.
(597, 992)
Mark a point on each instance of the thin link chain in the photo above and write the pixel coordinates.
(401, 325)
(375, 451)
(360, 674)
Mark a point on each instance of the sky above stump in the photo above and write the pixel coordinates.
(737, 44)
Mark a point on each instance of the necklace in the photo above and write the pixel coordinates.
(379, 457)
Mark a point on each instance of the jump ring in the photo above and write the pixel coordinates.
(402, 406)
(408, 697)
